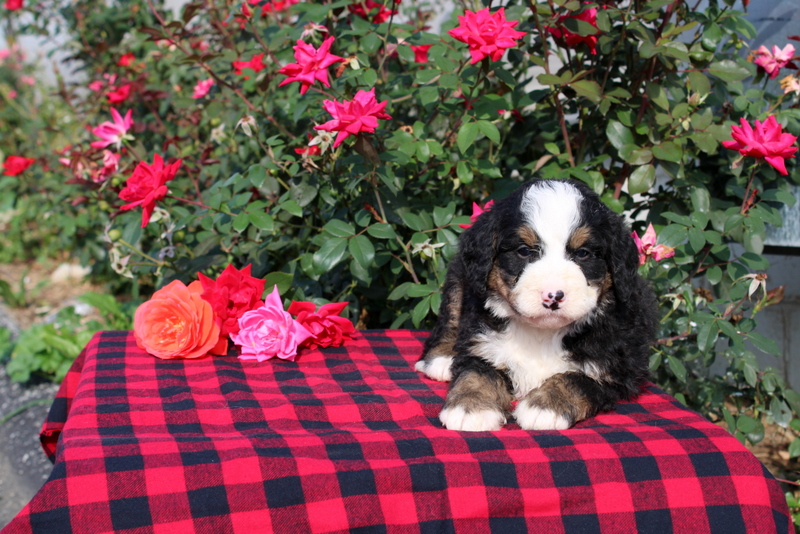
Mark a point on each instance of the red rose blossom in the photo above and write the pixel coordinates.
(13, 5)
(14, 165)
(573, 39)
(312, 65)
(487, 34)
(147, 185)
(363, 8)
(256, 63)
(767, 140)
(119, 95)
(231, 295)
(351, 117)
(328, 329)
(126, 59)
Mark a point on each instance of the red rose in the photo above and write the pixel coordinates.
(13, 5)
(147, 185)
(126, 59)
(119, 95)
(326, 327)
(231, 295)
(15, 165)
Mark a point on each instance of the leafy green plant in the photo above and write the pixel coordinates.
(48, 350)
(632, 98)
(21, 297)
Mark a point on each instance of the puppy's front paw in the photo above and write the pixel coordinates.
(532, 417)
(437, 368)
(456, 418)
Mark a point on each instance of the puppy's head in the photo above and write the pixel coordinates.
(550, 255)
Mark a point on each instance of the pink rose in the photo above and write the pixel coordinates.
(269, 331)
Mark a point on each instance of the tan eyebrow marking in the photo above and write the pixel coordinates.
(528, 235)
(579, 237)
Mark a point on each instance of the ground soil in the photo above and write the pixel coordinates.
(23, 465)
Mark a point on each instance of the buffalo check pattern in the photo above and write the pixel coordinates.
(347, 440)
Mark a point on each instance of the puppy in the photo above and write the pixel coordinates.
(543, 304)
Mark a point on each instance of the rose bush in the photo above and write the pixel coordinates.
(356, 188)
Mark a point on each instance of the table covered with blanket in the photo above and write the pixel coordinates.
(347, 440)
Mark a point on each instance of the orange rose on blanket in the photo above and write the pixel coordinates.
(176, 323)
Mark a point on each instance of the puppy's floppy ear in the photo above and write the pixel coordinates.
(622, 259)
(478, 250)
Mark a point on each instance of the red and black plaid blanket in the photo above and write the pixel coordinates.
(347, 439)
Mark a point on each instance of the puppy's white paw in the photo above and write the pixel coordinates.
(455, 418)
(437, 368)
(535, 418)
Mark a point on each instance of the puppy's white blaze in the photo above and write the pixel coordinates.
(535, 418)
(437, 368)
(553, 210)
(530, 355)
(456, 418)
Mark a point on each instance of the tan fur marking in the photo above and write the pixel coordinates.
(580, 237)
(475, 392)
(528, 235)
(558, 395)
(604, 287)
(497, 283)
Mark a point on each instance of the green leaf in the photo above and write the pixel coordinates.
(241, 222)
(261, 220)
(488, 129)
(697, 239)
(421, 311)
(466, 136)
(794, 448)
(581, 27)
(362, 250)
(635, 156)
(464, 172)
(588, 89)
(707, 335)
(764, 344)
(419, 290)
(728, 70)
(677, 368)
(329, 254)
(282, 280)
(668, 151)
(747, 424)
(618, 135)
(382, 231)
(339, 228)
(714, 275)
(292, 207)
(400, 291)
(413, 221)
(641, 179)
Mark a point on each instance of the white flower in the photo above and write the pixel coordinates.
(426, 249)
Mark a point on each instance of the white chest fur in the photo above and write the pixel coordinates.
(530, 355)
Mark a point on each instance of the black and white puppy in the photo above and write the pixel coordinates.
(543, 304)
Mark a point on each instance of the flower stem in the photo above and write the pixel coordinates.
(142, 254)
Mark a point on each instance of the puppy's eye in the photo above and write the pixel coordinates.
(527, 252)
(582, 253)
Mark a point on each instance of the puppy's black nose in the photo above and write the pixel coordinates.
(551, 299)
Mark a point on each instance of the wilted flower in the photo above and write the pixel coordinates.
(790, 84)
(767, 140)
(487, 34)
(646, 246)
(426, 249)
(311, 29)
(248, 124)
(218, 133)
(773, 62)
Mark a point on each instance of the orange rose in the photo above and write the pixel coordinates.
(176, 323)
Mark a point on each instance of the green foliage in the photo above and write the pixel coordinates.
(48, 350)
(376, 220)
